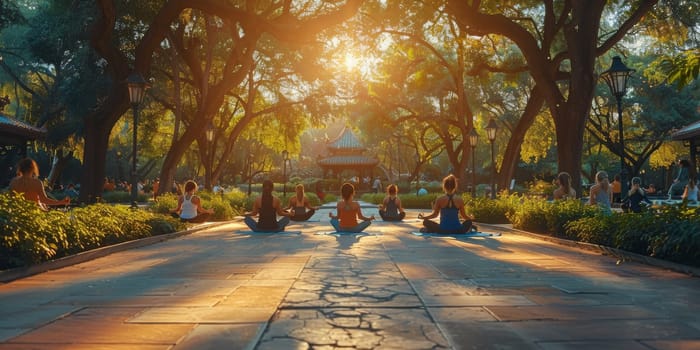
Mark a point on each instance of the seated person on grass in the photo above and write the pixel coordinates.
(189, 206)
(300, 206)
(267, 207)
(449, 207)
(348, 212)
(391, 208)
(28, 184)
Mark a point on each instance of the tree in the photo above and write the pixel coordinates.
(560, 46)
(125, 52)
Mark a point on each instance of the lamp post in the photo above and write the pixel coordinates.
(616, 77)
(250, 172)
(491, 128)
(210, 137)
(285, 156)
(473, 139)
(137, 89)
(417, 173)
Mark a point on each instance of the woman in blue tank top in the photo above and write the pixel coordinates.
(449, 207)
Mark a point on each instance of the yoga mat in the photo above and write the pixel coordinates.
(456, 235)
(248, 232)
(336, 233)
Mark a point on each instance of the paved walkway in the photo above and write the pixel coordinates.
(388, 289)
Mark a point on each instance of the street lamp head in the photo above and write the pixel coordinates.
(137, 88)
(473, 138)
(210, 132)
(491, 128)
(616, 77)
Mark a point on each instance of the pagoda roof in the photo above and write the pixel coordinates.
(346, 140)
(13, 129)
(347, 161)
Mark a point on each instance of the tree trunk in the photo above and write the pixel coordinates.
(94, 159)
(58, 164)
(512, 154)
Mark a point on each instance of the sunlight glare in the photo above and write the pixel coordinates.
(351, 62)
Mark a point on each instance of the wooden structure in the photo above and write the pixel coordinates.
(14, 136)
(690, 135)
(346, 153)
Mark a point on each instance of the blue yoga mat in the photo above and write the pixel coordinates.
(457, 235)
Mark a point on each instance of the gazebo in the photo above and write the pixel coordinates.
(690, 135)
(346, 152)
(14, 136)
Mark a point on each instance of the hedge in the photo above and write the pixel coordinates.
(29, 235)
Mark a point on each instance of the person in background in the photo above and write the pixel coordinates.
(300, 205)
(691, 191)
(564, 191)
(651, 189)
(681, 179)
(601, 192)
(28, 184)
(189, 206)
(156, 186)
(377, 185)
(391, 208)
(635, 197)
(71, 191)
(449, 207)
(616, 186)
(267, 207)
(348, 211)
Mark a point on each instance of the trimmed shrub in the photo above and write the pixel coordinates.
(29, 235)
(671, 232)
(487, 210)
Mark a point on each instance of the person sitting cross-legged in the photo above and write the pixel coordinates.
(189, 206)
(267, 207)
(449, 207)
(28, 184)
(391, 208)
(300, 206)
(348, 212)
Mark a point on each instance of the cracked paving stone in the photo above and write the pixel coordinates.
(361, 328)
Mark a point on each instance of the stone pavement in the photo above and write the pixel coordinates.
(386, 289)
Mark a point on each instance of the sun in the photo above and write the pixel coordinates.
(351, 62)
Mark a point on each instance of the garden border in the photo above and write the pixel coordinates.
(623, 255)
(26, 271)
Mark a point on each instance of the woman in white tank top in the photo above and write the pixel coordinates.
(189, 207)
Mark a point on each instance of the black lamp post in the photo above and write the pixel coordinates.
(250, 172)
(137, 89)
(616, 77)
(491, 128)
(473, 139)
(210, 137)
(285, 156)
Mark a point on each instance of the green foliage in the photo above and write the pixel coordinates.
(487, 210)
(409, 201)
(123, 197)
(29, 235)
(530, 215)
(165, 203)
(539, 187)
(233, 203)
(669, 233)
(562, 212)
(536, 214)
